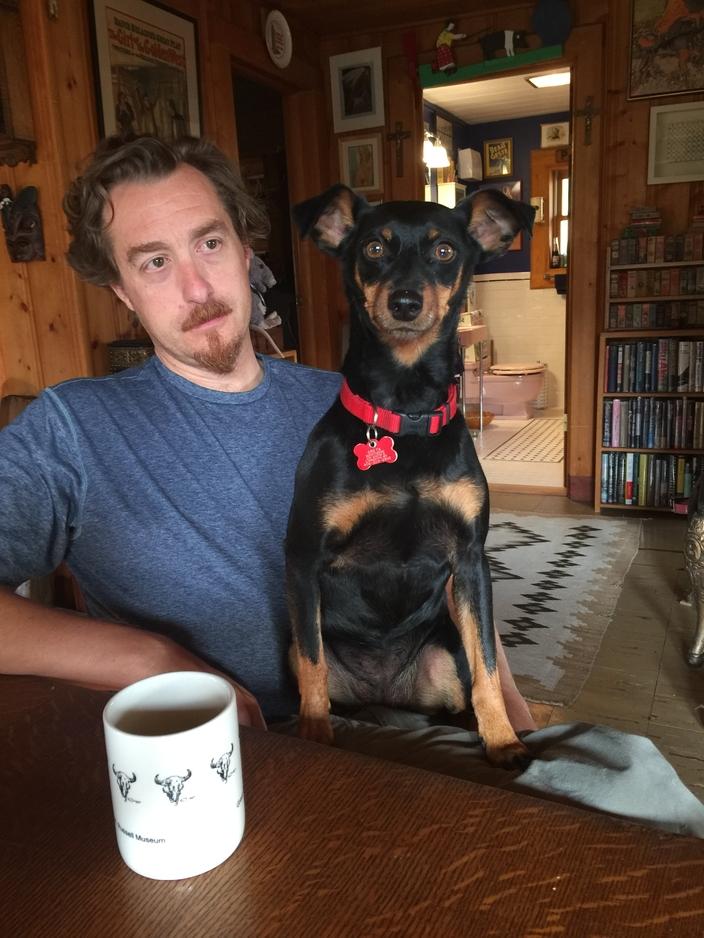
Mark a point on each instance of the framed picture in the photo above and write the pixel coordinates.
(666, 49)
(357, 90)
(361, 162)
(555, 135)
(676, 145)
(146, 69)
(513, 191)
(498, 157)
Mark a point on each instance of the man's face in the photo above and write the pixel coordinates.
(185, 272)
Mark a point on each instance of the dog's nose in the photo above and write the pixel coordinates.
(405, 304)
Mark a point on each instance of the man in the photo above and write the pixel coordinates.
(166, 489)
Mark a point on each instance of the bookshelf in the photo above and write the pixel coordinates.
(650, 402)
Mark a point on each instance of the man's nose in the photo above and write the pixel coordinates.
(195, 283)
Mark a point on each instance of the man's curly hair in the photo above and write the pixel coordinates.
(119, 159)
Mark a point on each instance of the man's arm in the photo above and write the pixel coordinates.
(57, 643)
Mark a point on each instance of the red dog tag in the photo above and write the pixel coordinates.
(375, 452)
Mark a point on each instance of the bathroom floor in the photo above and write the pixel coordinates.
(532, 458)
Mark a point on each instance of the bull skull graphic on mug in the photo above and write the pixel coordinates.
(172, 785)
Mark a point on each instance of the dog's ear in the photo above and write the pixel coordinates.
(494, 220)
(328, 218)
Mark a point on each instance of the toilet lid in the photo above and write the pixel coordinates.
(517, 368)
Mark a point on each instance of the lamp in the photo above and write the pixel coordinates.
(434, 153)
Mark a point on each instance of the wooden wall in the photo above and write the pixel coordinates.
(52, 327)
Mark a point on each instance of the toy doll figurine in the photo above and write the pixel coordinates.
(444, 59)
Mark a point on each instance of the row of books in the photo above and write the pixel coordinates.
(647, 480)
(653, 423)
(670, 281)
(652, 365)
(673, 314)
(647, 248)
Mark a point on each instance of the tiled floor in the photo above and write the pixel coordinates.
(640, 681)
(507, 472)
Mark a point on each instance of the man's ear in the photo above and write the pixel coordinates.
(328, 218)
(121, 295)
(494, 220)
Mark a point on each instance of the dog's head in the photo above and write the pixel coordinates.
(407, 265)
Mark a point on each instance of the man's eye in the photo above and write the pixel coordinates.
(156, 263)
(212, 243)
(374, 250)
(444, 252)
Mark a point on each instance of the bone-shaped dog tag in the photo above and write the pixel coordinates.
(375, 452)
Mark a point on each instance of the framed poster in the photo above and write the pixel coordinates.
(146, 69)
(498, 157)
(555, 135)
(361, 162)
(357, 90)
(676, 144)
(666, 49)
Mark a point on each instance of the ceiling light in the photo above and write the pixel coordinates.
(549, 81)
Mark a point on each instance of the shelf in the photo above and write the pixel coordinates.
(653, 333)
(609, 339)
(657, 264)
(661, 298)
(652, 449)
(672, 394)
(613, 506)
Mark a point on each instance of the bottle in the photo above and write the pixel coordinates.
(555, 256)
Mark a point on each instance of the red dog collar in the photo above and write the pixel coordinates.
(427, 424)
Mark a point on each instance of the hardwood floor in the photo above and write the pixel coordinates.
(640, 681)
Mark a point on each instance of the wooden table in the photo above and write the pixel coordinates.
(336, 845)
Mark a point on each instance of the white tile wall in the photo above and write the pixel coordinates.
(525, 325)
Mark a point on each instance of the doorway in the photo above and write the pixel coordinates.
(494, 131)
(261, 144)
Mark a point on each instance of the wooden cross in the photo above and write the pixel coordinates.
(398, 136)
(588, 112)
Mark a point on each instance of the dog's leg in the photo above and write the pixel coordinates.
(308, 655)
(471, 590)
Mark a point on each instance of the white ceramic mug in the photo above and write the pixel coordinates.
(175, 773)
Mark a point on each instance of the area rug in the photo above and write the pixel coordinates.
(541, 440)
(556, 584)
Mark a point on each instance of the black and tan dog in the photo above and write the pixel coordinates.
(391, 505)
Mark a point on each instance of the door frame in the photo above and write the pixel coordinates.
(583, 55)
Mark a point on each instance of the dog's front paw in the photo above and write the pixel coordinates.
(513, 755)
(316, 729)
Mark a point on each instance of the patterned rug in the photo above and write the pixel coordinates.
(556, 584)
(541, 440)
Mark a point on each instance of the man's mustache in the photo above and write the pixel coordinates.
(204, 312)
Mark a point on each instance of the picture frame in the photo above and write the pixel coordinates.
(676, 143)
(146, 69)
(513, 190)
(361, 164)
(555, 134)
(498, 157)
(654, 67)
(357, 90)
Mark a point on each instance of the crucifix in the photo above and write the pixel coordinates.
(588, 112)
(398, 136)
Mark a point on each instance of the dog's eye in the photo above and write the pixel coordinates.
(444, 251)
(374, 250)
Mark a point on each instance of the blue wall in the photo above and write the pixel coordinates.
(525, 133)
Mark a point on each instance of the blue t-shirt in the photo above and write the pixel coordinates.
(169, 502)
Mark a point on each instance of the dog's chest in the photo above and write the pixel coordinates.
(429, 517)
